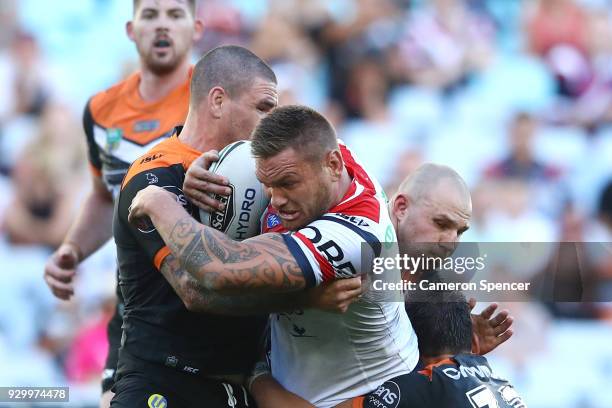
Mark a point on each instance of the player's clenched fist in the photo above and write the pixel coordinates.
(60, 270)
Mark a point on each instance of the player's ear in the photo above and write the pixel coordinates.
(129, 30)
(475, 343)
(216, 98)
(335, 163)
(399, 205)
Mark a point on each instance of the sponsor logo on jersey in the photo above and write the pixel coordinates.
(171, 361)
(331, 250)
(295, 329)
(146, 226)
(191, 370)
(220, 220)
(146, 125)
(480, 371)
(113, 138)
(387, 395)
(481, 397)
(353, 220)
(151, 158)
(511, 397)
(272, 220)
(152, 178)
(157, 401)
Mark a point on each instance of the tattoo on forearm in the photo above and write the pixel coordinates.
(219, 262)
(201, 299)
(195, 257)
(226, 250)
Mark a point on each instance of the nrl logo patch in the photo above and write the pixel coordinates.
(113, 138)
(273, 220)
(157, 401)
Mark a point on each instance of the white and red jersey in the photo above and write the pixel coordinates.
(324, 357)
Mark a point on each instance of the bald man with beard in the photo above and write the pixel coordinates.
(430, 211)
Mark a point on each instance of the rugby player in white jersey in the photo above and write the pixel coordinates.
(332, 208)
(432, 206)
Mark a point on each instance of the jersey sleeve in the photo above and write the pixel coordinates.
(145, 235)
(93, 151)
(332, 247)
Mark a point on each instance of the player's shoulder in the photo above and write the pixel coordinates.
(103, 103)
(163, 158)
(404, 391)
(365, 198)
(345, 221)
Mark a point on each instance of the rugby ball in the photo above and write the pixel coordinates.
(245, 206)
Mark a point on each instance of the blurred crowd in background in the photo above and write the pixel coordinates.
(515, 95)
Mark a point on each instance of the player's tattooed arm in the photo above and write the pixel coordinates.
(219, 263)
(259, 264)
(197, 298)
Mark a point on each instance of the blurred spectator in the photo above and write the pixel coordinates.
(283, 35)
(24, 91)
(407, 162)
(222, 24)
(9, 26)
(505, 211)
(521, 163)
(364, 27)
(283, 39)
(553, 23)
(565, 281)
(558, 33)
(8, 22)
(46, 182)
(31, 94)
(444, 43)
(592, 107)
(367, 93)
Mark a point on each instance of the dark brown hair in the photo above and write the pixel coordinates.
(230, 67)
(441, 321)
(294, 126)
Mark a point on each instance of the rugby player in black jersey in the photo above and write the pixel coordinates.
(122, 123)
(448, 375)
(182, 344)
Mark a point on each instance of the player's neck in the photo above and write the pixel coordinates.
(435, 359)
(153, 87)
(198, 134)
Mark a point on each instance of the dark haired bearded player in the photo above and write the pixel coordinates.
(121, 123)
(332, 207)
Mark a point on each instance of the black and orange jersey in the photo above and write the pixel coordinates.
(465, 381)
(120, 126)
(157, 327)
